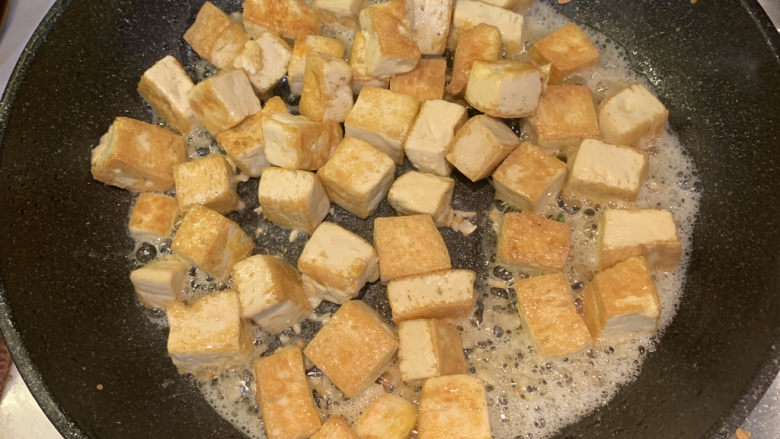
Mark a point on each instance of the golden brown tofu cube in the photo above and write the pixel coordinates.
(622, 300)
(409, 245)
(480, 145)
(215, 37)
(387, 417)
(505, 89)
(532, 243)
(565, 116)
(453, 407)
(296, 142)
(604, 172)
(153, 216)
(292, 199)
(416, 193)
(165, 86)
(390, 49)
(335, 428)
(425, 82)
(633, 116)
(479, 43)
(303, 45)
(327, 88)
(288, 18)
(446, 294)
(567, 50)
(546, 305)
(137, 156)
(353, 348)
(429, 348)
(211, 241)
(430, 24)
(529, 178)
(264, 61)
(639, 232)
(223, 101)
(208, 181)
(284, 397)
(360, 74)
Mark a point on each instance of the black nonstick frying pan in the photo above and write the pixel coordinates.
(70, 318)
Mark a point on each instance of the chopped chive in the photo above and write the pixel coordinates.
(561, 218)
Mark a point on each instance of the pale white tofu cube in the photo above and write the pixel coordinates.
(165, 86)
(382, 118)
(506, 89)
(271, 292)
(546, 305)
(223, 101)
(354, 348)
(529, 178)
(327, 88)
(304, 45)
(429, 348)
(566, 50)
(479, 43)
(480, 145)
(430, 24)
(453, 407)
(288, 18)
(215, 37)
(387, 417)
(153, 216)
(212, 242)
(416, 193)
(295, 142)
(565, 116)
(533, 244)
(622, 300)
(603, 172)
(357, 176)
(390, 49)
(426, 81)
(641, 232)
(336, 263)
(292, 199)
(160, 281)
(335, 428)
(447, 294)
(264, 60)
(284, 396)
(431, 134)
(632, 116)
(360, 74)
(468, 14)
(409, 245)
(207, 181)
(208, 336)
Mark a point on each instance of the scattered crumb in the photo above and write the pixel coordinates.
(693, 2)
(740, 433)
(462, 225)
(332, 210)
(293, 235)
(495, 218)
(259, 231)
(563, 2)
(498, 283)
(100, 387)
(258, 210)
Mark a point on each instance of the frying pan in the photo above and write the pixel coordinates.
(72, 323)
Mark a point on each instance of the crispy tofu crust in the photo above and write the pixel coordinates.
(387, 417)
(409, 245)
(208, 181)
(529, 178)
(453, 407)
(385, 27)
(153, 215)
(165, 86)
(425, 82)
(565, 116)
(567, 49)
(288, 18)
(436, 295)
(335, 428)
(530, 242)
(215, 37)
(479, 43)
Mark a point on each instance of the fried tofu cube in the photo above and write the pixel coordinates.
(360, 74)
(409, 245)
(209, 335)
(336, 263)
(416, 193)
(430, 21)
(510, 4)
(382, 118)
(431, 134)
(468, 14)
(447, 294)
(622, 300)
(165, 85)
(271, 292)
(454, 407)
(387, 417)
(602, 172)
(264, 61)
(207, 181)
(479, 43)
(245, 143)
(339, 14)
(288, 18)
(295, 142)
(546, 305)
(390, 49)
(327, 88)
(160, 281)
(335, 428)
(565, 116)
(529, 178)
(292, 199)
(567, 50)
(223, 101)
(632, 116)
(357, 176)
(137, 156)
(533, 244)
(425, 82)
(211, 241)
(153, 216)
(641, 232)
(215, 37)
(284, 396)
(507, 89)
(429, 348)
(303, 45)
(480, 145)
(353, 348)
